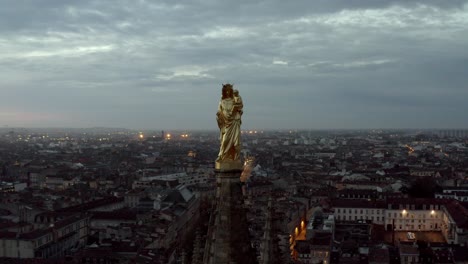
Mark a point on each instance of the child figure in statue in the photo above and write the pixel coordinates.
(229, 122)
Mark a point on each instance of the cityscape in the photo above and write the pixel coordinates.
(234, 132)
(340, 196)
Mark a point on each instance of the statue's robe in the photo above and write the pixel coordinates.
(229, 123)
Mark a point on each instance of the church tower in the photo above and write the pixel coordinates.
(228, 240)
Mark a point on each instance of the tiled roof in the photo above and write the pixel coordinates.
(458, 213)
(116, 215)
(91, 205)
(343, 203)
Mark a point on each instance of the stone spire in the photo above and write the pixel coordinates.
(228, 240)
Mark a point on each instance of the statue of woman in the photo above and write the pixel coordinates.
(229, 122)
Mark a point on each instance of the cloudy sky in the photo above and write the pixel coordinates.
(297, 64)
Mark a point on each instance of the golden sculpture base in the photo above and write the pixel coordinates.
(229, 165)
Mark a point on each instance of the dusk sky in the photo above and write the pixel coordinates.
(312, 64)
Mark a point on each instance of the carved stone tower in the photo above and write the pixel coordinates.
(228, 240)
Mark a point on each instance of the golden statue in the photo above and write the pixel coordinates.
(229, 115)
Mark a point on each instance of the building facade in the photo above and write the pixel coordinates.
(447, 216)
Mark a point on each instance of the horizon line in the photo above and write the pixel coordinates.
(245, 129)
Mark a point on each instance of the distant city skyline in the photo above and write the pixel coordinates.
(154, 65)
(253, 131)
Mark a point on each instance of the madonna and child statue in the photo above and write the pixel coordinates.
(229, 122)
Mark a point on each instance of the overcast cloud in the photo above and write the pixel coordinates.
(297, 64)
